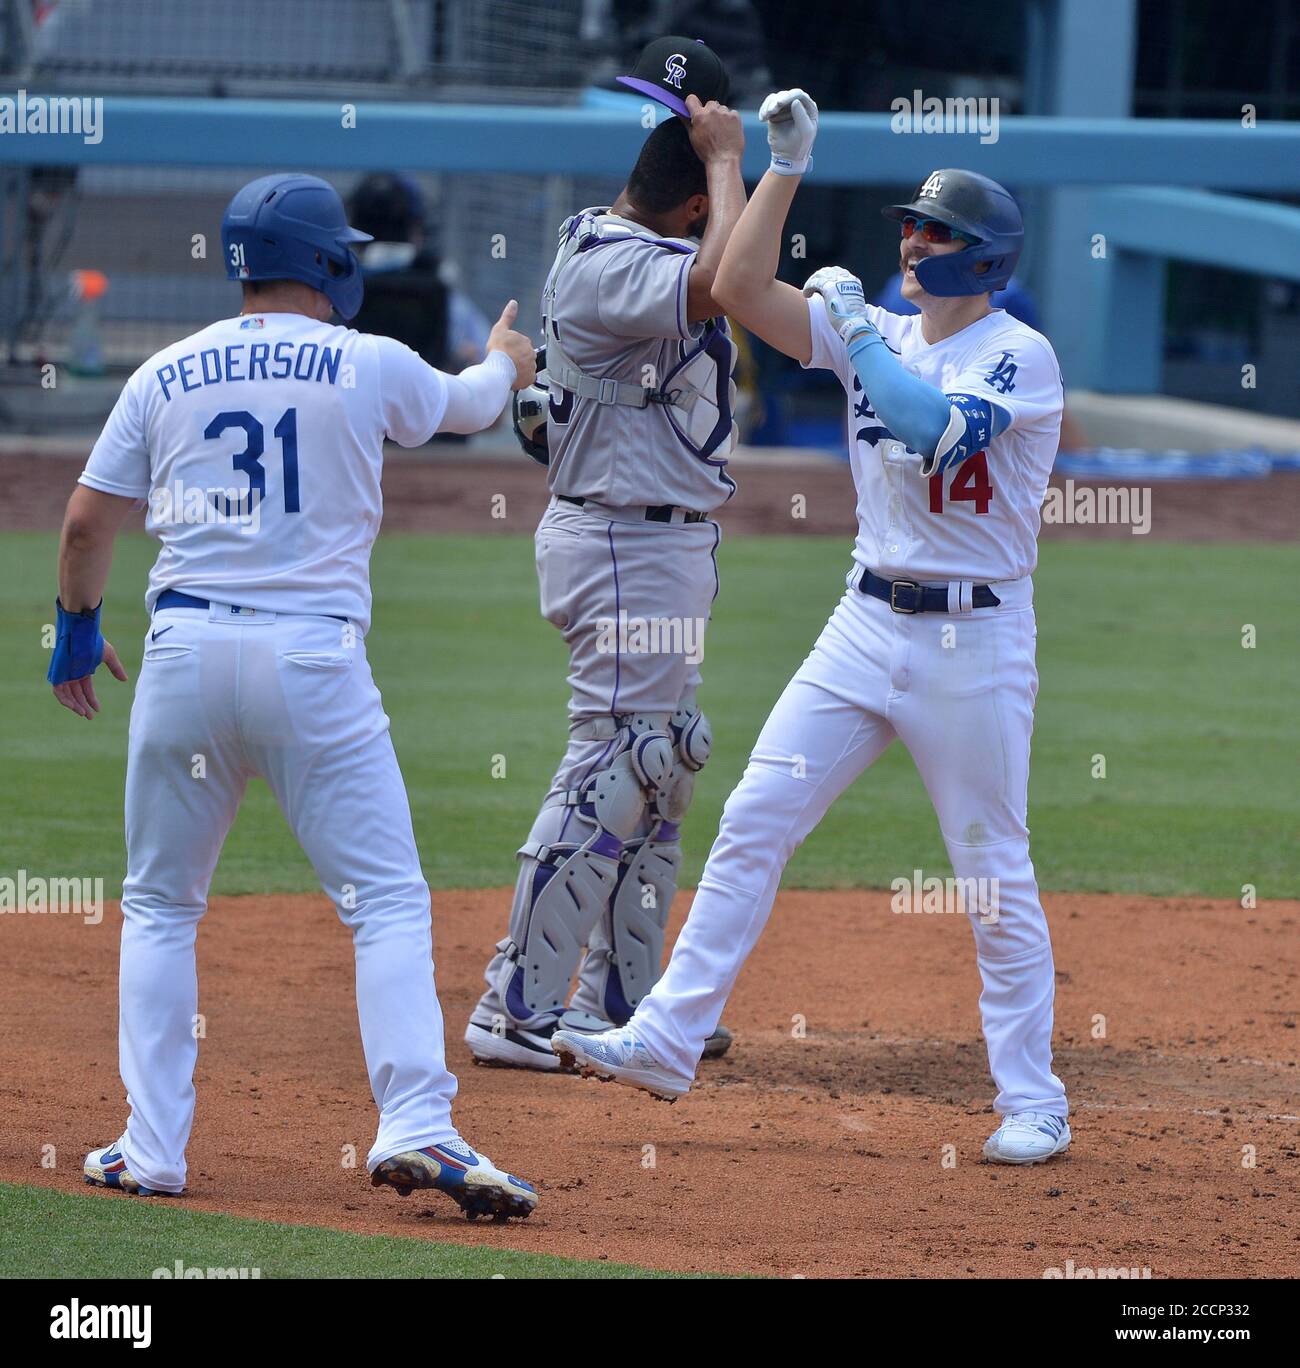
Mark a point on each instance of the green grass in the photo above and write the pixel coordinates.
(1140, 659)
(49, 1234)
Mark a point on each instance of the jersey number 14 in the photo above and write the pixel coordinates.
(249, 461)
(971, 484)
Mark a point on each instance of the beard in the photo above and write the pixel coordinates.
(696, 227)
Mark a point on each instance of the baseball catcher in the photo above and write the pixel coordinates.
(634, 426)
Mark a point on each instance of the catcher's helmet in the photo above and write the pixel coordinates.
(291, 227)
(528, 413)
(979, 207)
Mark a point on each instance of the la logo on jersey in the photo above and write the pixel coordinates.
(932, 186)
(675, 70)
(1003, 376)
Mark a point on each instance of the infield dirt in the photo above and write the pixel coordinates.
(840, 1137)
(446, 492)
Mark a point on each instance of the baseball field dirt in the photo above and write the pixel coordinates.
(445, 492)
(841, 1136)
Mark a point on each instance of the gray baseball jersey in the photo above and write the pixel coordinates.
(619, 311)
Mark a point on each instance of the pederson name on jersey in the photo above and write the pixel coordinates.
(250, 361)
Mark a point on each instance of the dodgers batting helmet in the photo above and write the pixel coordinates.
(291, 227)
(980, 208)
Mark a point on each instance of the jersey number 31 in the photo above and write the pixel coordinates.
(971, 484)
(250, 460)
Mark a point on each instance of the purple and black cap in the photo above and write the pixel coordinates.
(670, 69)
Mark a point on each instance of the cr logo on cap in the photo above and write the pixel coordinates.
(675, 70)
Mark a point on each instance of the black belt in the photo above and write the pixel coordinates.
(906, 596)
(654, 513)
(173, 598)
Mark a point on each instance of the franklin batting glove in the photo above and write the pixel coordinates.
(846, 304)
(791, 119)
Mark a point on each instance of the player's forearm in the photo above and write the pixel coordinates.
(753, 250)
(477, 395)
(913, 410)
(726, 203)
(86, 546)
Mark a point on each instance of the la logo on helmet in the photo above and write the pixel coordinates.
(675, 69)
(932, 186)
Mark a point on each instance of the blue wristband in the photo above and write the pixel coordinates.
(78, 644)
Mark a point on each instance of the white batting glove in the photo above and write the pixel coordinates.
(846, 303)
(791, 119)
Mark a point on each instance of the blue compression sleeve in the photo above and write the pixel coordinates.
(917, 413)
(914, 411)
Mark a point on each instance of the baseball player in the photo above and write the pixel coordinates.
(953, 416)
(638, 427)
(258, 443)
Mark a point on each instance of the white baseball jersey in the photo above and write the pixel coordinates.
(258, 443)
(979, 520)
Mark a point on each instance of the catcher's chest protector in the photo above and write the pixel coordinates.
(698, 393)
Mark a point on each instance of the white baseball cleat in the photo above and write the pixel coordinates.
(501, 1043)
(619, 1057)
(1027, 1137)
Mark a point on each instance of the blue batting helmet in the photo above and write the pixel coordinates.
(291, 227)
(980, 208)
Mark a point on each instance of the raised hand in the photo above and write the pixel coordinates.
(791, 119)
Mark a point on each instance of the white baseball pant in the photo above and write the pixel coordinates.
(959, 691)
(223, 696)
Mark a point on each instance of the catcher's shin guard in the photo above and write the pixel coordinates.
(625, 952)
(626, 947)
(558, 898)
(565, 887)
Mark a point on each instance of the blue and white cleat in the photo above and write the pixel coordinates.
(1027, 1137)
(470, 1179)
(619, 1057)
(106, 1168)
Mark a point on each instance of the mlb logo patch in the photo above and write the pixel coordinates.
(253, 323)
(237, 611)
